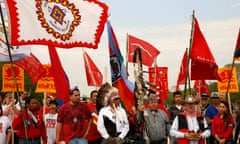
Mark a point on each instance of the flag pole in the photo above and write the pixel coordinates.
(155, 71)
(186, 79)
(12, 65)
(127, 56)
(189, 51)
(227, 94)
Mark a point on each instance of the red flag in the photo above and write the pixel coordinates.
(60, 78)
(32, 66)
(22, 56)
(94, 75)
(237, 48)
(203, 65)
(149, 52)
(118, 73)
(183, 71)
(159, 76)
(62, 23)
(201, 86)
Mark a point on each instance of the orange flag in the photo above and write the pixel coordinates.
(8, 83)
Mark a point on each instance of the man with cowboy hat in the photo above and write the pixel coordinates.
(189, 127)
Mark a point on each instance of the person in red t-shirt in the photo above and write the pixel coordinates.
(73, 121)
(93, 136)
(33, 120)
(223, 124)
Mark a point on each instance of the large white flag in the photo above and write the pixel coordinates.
(64, 24)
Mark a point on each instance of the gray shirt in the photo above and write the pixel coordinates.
(156, 124)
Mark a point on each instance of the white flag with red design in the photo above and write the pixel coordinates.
(64, 24)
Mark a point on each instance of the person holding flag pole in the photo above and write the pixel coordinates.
(12, 66)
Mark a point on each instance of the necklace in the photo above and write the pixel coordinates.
(74, 112)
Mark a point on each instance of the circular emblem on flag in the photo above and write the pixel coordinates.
(58, 18)
(116, 68)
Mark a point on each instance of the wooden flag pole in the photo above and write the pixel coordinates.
(44, 103)
(187, 75)
(155, 71)
(189, 51)
(12, 131)
(227, 94)
(12, 65)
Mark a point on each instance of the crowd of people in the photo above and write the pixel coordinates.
(197, 119)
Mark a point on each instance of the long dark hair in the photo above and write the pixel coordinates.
(227, 114)
(1, 111)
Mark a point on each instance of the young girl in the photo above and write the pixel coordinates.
(51, 122)
(5, 128)
(223, 125)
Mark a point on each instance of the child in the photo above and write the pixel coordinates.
(51, 122)
(5, 128)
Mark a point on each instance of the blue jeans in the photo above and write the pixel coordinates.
(77, 140)
(30, 141)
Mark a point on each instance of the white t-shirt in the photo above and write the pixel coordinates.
(10, 112)
(51, 124)
(5, 125)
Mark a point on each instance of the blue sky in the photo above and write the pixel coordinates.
(166, 24)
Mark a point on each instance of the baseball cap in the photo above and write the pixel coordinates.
(214, 95)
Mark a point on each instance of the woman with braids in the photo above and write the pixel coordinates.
(223, 125)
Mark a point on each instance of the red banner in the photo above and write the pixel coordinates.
(159, 77)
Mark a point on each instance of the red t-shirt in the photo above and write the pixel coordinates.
(93, 132)
(222, 130)
(74, 119)
(33, 131)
